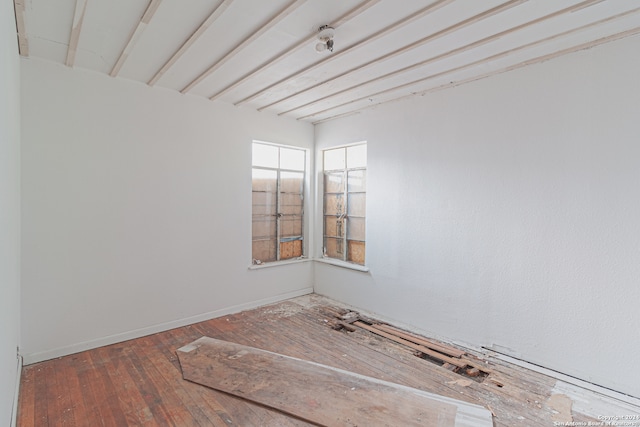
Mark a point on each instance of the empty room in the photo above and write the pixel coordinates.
(319, 212)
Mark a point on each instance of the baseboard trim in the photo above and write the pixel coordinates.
(631, 400)
(16, 395)
(29, 359)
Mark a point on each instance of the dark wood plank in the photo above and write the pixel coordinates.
(448, 350)
(421, 348)
(27, 397)
(145, 383)
(42, 401)
(313, 392)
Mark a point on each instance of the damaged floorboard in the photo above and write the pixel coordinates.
(317, 393)
(139, 382)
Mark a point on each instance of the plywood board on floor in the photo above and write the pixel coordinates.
(318, 393)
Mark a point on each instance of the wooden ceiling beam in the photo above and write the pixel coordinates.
(431, 60)
(287, 52)
(76, 28)
(217, 12)
(289, 9)
(135, 36)
(455, 27)
(495, 57)
(23, 43)
(375, 36)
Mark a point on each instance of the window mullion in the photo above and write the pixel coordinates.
(278, 215)
(345, 217)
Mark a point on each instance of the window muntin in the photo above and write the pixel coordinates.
(278, 175)
(345, 182)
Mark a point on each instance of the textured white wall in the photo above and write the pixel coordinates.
(506, 213)
(9, 208)
(136, 209)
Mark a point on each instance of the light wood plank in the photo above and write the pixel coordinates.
(135, 36)
(288, 10)
(313, 392)
(76, 28)
(217, 12)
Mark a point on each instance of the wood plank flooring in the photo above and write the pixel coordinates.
(139, 382)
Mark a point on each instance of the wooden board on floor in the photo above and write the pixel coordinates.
(317, 393)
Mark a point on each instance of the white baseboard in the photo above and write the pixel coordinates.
(566, 379)
(14, 410)
(137, 333)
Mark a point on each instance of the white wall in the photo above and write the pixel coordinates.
(136, 209)
(506, 213)
(9, 208)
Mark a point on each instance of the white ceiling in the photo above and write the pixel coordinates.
(262, 53)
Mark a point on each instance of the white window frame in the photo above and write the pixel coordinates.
(279, 215)
(344, 260)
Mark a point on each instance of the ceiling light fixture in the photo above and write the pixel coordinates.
(325, 35)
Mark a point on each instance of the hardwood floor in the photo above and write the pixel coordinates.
(139, 382)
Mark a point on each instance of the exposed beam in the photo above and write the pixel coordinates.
(285, 54)
(494, 58)
(418, 43)
(246, 42)
(339, 116)
(23, 43)
(76, 27)
(135, 36)
(371, 38)
(217, 12)
(432, 59)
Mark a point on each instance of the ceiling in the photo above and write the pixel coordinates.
(262, 54)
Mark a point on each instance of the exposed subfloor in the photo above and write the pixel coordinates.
(139, 382)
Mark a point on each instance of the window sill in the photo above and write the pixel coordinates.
(343, 264)
(277, 263)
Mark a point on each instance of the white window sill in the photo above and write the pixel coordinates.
(343, 264)
(329, 261)
(277, 263)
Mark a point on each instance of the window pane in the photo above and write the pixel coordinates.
(264, 250)
(333, 247)
(357, 180)
(264, 193)
(291, 182)
(265, 155)
(334, 159)
(357, 156)
(264, 203)
(357, 204)
(356, 229)
(264, 180)
(356, 252)
(290, 204)
(334, 204)
(334, 182)
(333, 227)
(291, 159)
(263, 228)
(290, 226)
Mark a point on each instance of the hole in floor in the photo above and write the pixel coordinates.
(468, 371)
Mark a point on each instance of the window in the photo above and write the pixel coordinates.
(278, 197)
(345, 184)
